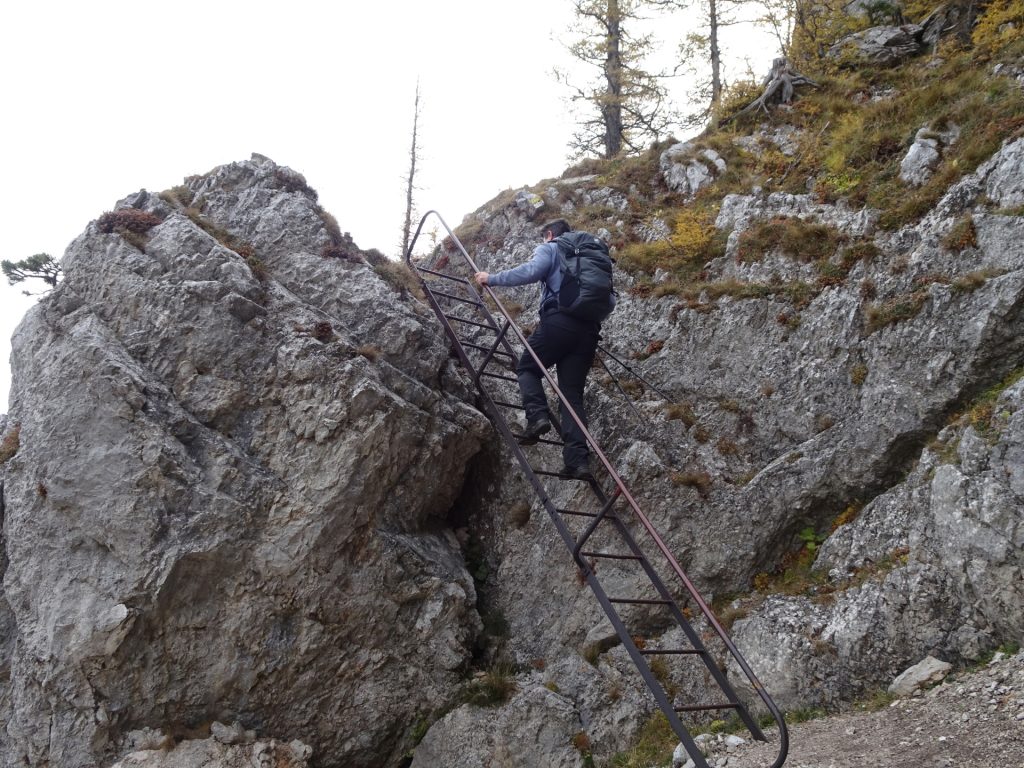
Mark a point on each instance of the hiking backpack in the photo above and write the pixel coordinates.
(586, 267)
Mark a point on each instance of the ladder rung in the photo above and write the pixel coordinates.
(488, 349)
(442, 274)
(561, 475)
(469, 322)
(546, 441)
(549, 441)
(518, 408)
(499, 376)
(705, 707)
(609, 556)
(583, 514)
(638, 601)
(674, 652)
(452, 296)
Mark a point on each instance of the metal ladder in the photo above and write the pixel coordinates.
(481, 339)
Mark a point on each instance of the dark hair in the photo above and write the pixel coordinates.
(556, 227)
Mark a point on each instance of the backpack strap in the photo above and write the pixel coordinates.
(563, 244)
(548, 295)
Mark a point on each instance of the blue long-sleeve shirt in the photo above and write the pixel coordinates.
(543, 267)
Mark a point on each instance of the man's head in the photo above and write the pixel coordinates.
(554, 228)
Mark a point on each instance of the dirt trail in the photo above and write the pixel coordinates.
(973, 720)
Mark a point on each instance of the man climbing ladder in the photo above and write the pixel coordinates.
(568, 332)
(599, 528)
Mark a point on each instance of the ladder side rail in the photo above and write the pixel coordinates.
(482, 307)
(618, 482)
(655, 686)
(524, 463)
(451, 333)
(716, 625)
(491, 352)
(458, 343)
(691, 634)
(491, 324)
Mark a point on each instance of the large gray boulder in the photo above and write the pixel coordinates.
(932, 566)
(230, 496)
(687, 169)
(885, 45)
(888, 45)
(924, 154)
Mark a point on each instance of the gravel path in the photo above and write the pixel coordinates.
(973, 719)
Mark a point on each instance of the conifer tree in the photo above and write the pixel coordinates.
(625, 106)
(701, 51)
(41, 266)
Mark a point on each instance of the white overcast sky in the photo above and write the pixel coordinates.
(103, 98)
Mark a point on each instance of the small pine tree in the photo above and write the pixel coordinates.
(41, 266)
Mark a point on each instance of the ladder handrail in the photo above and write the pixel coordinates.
(621, 490)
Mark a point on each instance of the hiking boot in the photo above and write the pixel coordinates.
(534, 430)
(581, 472)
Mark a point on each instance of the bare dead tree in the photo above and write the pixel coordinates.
(414, 152)
(779, 87)
(779, 16)
(700, 51)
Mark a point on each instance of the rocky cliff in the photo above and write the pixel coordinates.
(860, 472)
(251, 514)
(229, 499)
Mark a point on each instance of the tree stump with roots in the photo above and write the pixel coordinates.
(779, 87)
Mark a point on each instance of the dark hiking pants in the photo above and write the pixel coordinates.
(569, 344)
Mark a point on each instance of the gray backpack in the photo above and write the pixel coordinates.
(586, 267)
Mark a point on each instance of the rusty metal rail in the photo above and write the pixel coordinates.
(615, 504)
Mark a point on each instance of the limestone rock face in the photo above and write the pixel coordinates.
(788, 421)
(941, 555)
(217, 752)
(924, 154)
(235, 464)
(253, 500)
(932, 564)
(687, 171)
(1004, 180)
(886, 45)
(535, 728)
